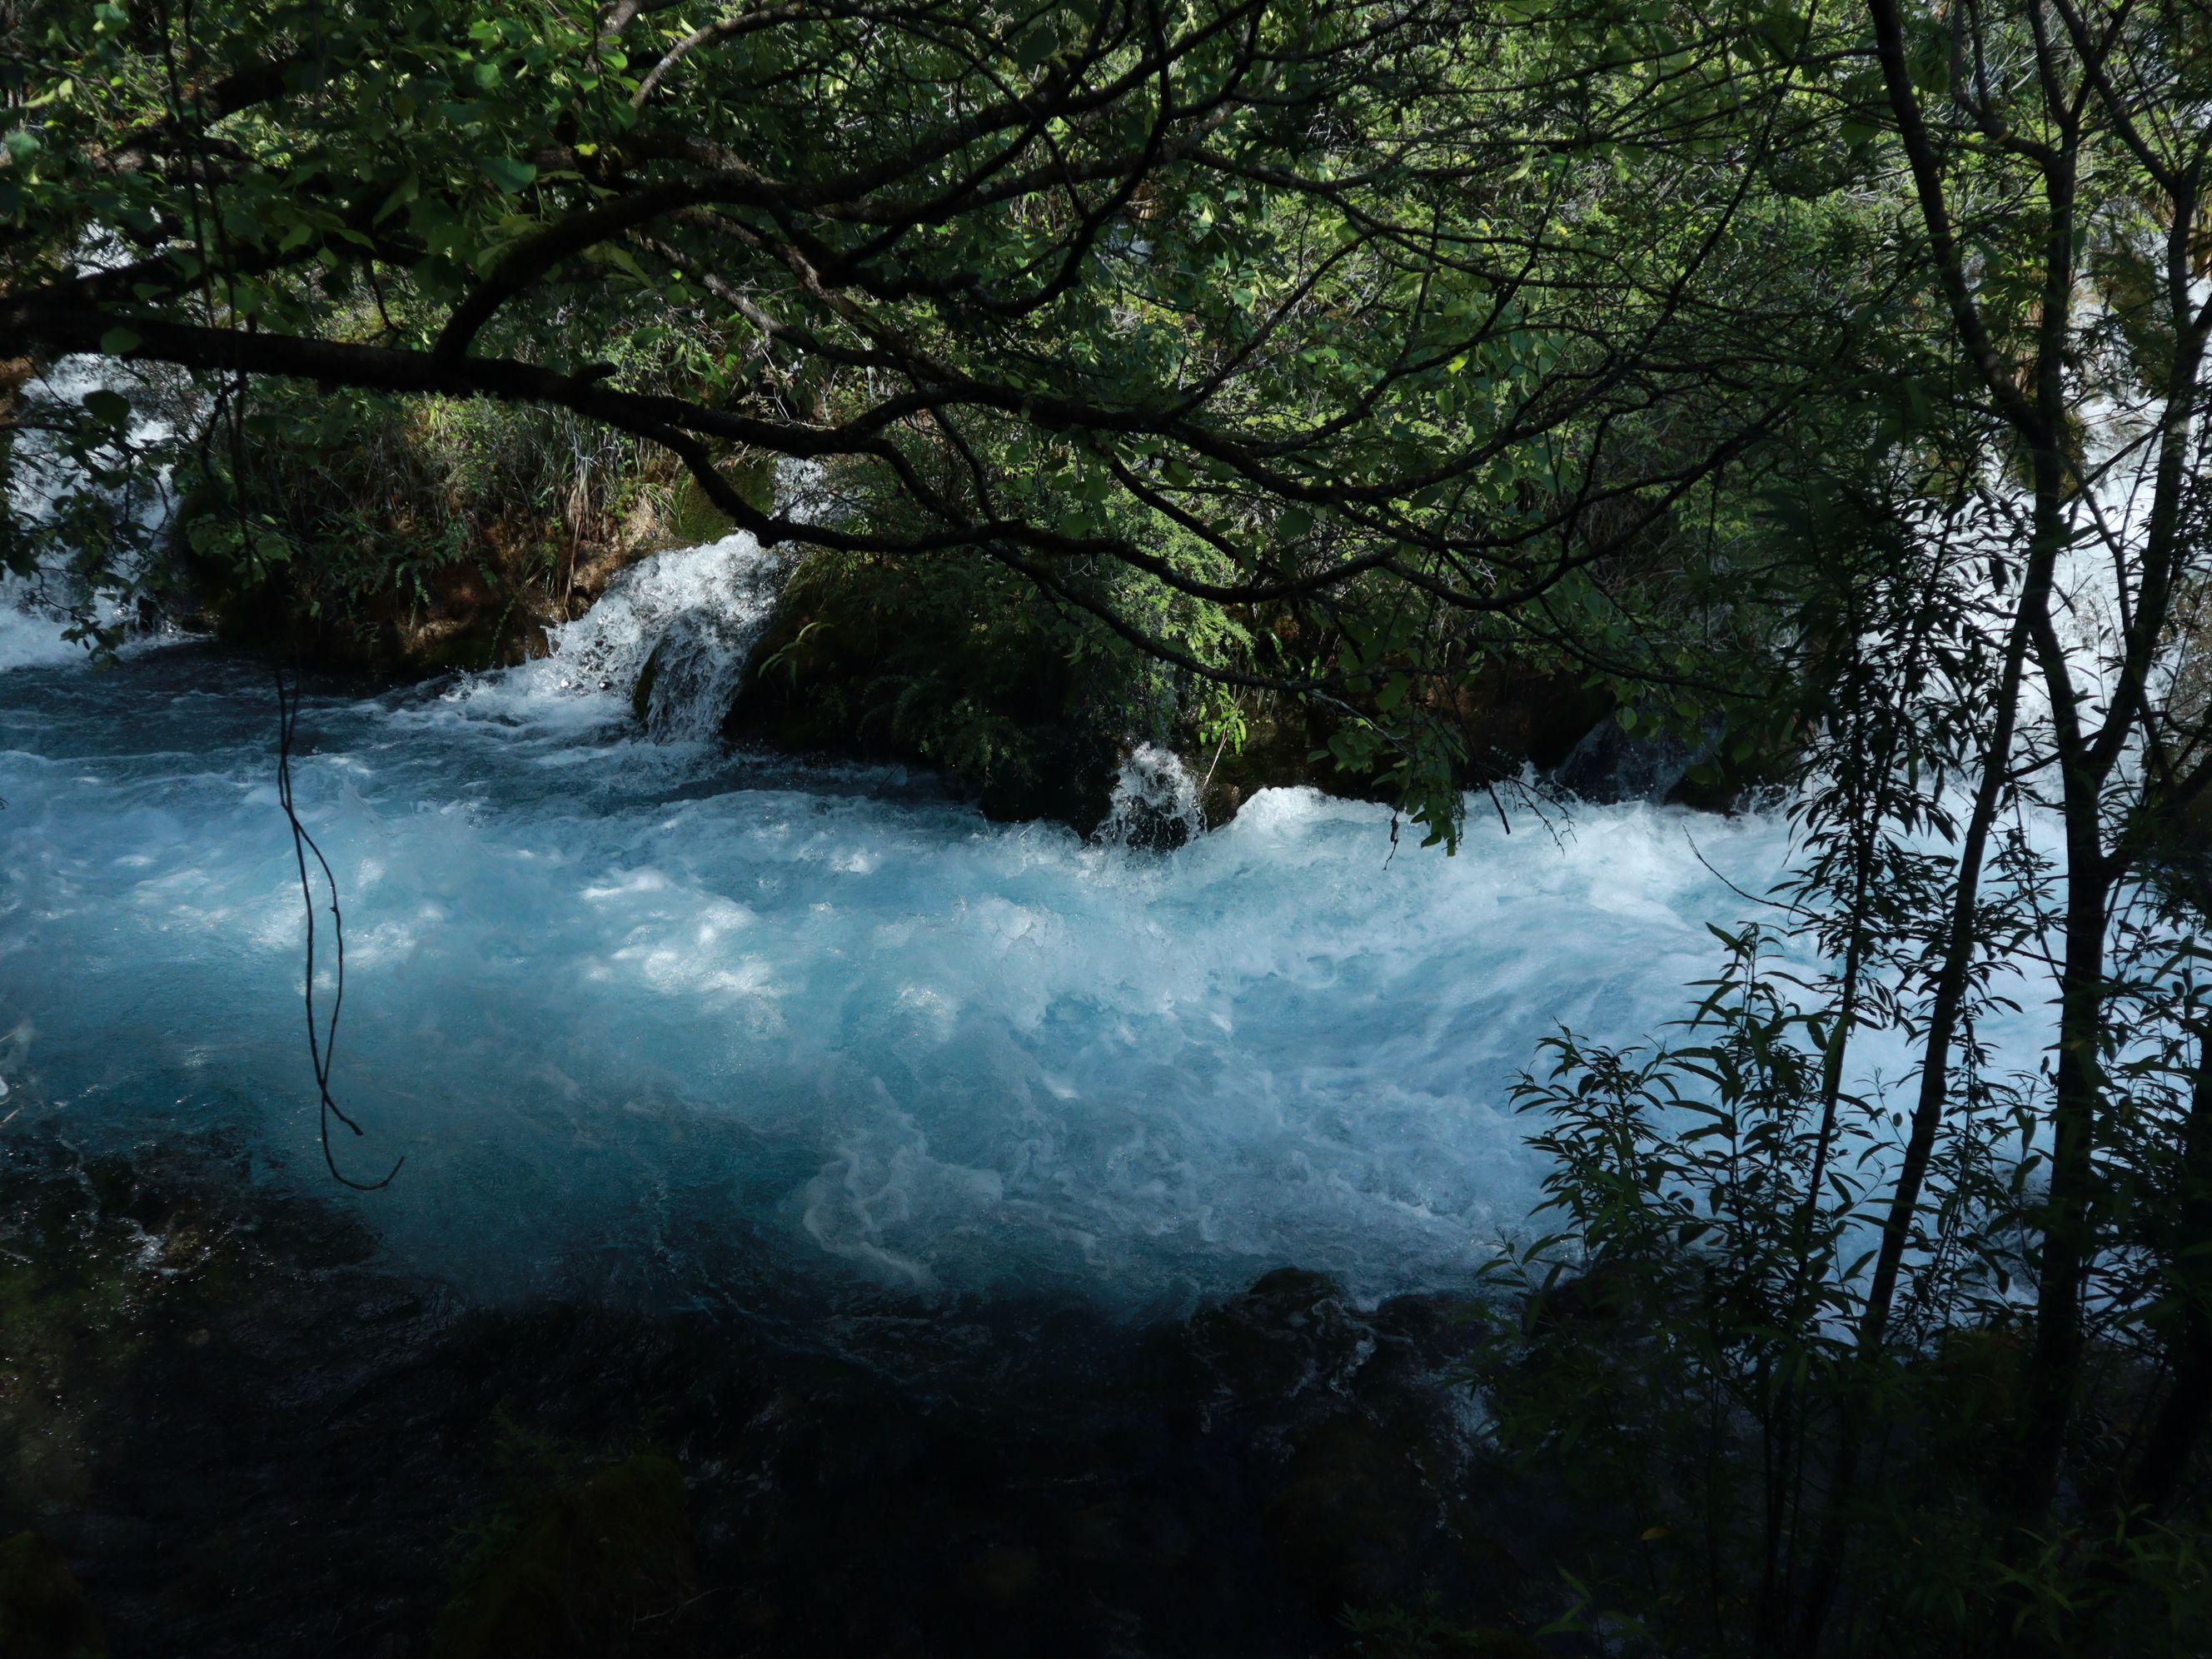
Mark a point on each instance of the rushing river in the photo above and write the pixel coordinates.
(650, 1016)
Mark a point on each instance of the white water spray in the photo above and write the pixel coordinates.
(673, 633)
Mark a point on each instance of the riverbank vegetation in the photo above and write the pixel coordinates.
(1817, 387)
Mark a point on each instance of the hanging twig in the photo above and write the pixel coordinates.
(322, 1038)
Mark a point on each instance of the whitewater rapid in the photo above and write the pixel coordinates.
(645, 1012)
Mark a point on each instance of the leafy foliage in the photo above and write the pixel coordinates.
(1283, 303)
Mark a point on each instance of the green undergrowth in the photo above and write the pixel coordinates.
(1748, 1472)
(361, 528)
(43, 1613)
(420, 534)
(582, 1556)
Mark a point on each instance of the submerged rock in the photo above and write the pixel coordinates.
(1611, 764)
(1363, 1417)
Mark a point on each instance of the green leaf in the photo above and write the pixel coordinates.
(1039, 44)
(118, 342)
(110, 407)
(511, 176)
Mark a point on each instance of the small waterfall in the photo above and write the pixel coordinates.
(1155, 803)
(673, 633)
(30, 629)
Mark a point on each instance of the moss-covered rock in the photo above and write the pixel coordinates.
(43, 1613)
(954, 663)
(412, 536)
(597, 1567)
(82, 1250)
(932, 661)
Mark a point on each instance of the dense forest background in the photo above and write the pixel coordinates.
(1377, 393)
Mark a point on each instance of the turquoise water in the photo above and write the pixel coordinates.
(650, 1014)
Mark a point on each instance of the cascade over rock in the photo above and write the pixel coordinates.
(672, 633)
(1156, 804)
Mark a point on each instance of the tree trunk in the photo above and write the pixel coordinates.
(1946, 1005)
(2157, 1477)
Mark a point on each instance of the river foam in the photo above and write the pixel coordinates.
(645, 1010)
(31, 634)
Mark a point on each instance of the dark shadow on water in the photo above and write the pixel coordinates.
(248, 1434)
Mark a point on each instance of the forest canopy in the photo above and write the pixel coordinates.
(1457, 333)
(1820, 383)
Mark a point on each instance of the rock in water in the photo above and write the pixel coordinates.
(1156, 804)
